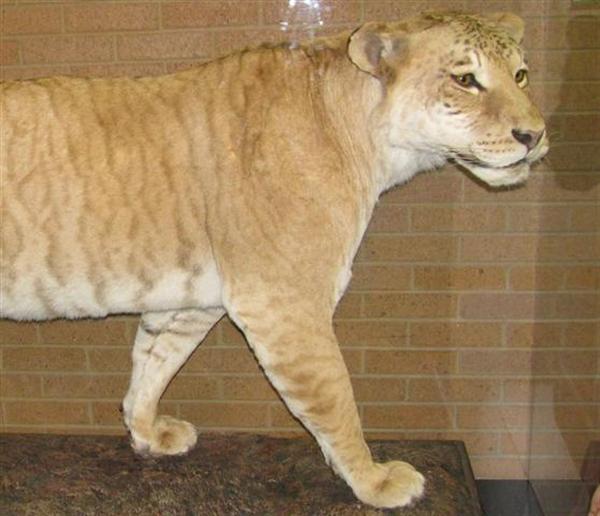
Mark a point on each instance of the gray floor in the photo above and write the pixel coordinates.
(536, 498)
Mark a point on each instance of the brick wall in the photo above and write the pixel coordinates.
(472, 315)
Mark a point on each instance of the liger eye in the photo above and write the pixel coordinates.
(522, 78)
(466, 80)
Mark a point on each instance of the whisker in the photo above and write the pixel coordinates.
(555, 136)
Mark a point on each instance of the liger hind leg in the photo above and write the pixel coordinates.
(163, 343)
(300, 354)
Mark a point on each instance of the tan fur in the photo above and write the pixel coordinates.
(244, 186)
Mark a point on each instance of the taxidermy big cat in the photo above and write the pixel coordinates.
(244, 186)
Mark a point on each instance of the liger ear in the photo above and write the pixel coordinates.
(510, 23)
(374, 48)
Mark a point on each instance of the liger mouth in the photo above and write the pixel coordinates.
(472, 160)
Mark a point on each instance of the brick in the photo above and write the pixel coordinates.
(410, 305)
(118, 69)
(584, 126)
(455, 334)
(389, 218)
(495, 362)
(551, 468)
(410, 362)
(391, 9)
(571, 362)
(85, 386)
(477, 443)
(31, 19)
(24, 412)
(67, 49)
(188, 387)
(177, 45)
(540, 187)
(407, 416)
(498, 468)
(459, 278)
(9, 73)
(228, 414)
(585, 218)
(582, 334)
(572, 32)
(569, 306)
(537, 277)
(380, 277)
(524, 306)
(300, 13)
(557, 98)
(402, 248)
(371, 333)
(577, 157)
(280, 417)
(549, 443)
(105, 16)
(108, 414)
(20, 385)
(25, 358)
(177, 15)
(229, 41)
(105, 413)
(433, 187)
(379, 389)
(554, 7)
(516, 443)
(172, 66)
(499, 417)
(248, 388)
(221, 360)
(354, 360)
(349, 306)
(498, 306)
(455, 389)
(583, 278)
(499, 248)
(534, 335)
(110, 360)
(567, 417)
(18, 333)
(549, 389)
(104, 332)
(231, 335)
(539, 218)
(458, 218)
(9, 52)
(520, 7)
(89, 430)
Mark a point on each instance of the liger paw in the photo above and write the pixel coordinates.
(392, 484)
(168, 436)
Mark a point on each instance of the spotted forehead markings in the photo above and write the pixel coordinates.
(495, 43)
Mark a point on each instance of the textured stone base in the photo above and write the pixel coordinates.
(224, 475)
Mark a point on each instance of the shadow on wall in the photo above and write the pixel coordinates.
(565, 394)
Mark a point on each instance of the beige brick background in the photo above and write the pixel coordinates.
(472, 314)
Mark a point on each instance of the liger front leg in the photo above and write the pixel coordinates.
(163, 343)
(298, 350)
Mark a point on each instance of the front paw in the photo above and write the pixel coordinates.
(168, 436)
(392, 484)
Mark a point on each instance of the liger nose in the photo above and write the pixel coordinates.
(528, 138)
